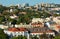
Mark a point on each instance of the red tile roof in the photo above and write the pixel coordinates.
(49, 31)
(22, 29)
(17, 29)
(58, 26)
(36, 24)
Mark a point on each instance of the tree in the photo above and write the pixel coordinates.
(16, 11)
(14, 38)
(24, 19)
(13, 22)
(27, 19)
(3, 35)
(51, 36)
(2, 19)
(43, 36)
(34, 37)
(19, 37)
(57, 37)
(55, 15)
(22, 37)
(5, 13)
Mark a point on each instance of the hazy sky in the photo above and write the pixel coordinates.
(31, 2)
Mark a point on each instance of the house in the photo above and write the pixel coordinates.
(22, 13)
(28, 31)
(37, 24)
(3, 26)
(50, 23)
(24, 25)
(48, 19)
(16, 31)
(41, 30)
(57, 28)
(57, 8)
(57, 19)
(11, 10)
(37, 19)
(13, 16)
(22, 6)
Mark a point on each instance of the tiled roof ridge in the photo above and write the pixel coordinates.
(17, 29)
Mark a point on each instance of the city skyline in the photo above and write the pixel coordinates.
(30, 2)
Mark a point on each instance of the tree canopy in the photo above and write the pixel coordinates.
(3, 35)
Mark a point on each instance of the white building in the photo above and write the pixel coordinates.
(23, 6)
(19, 6)
(13, 16)
(41, 30)
(16, 32)
(3, 26)
(37, 20)
(57, 19)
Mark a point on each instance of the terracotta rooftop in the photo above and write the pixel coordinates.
(17, 29)
(58, 27)
(34, 24)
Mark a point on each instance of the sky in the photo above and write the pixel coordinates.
(31, 2)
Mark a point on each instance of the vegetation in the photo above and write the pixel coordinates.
(22, 18)
(2, 19)
(3, 35)
(19, 37)
(34, 37)
(57, 37)
(25, 17)
(44, 36)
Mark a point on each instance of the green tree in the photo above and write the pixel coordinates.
(2, 19)
(57, 37)
(34, 37)
(3, 35)
(14, 38)
(43, 36)
(19, 37)
(22, 37)
(13, 22)
(55, 15)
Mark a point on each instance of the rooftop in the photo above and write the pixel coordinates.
(17, 29)
(40, 30)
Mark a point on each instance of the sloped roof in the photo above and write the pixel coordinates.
(40, 30)
(17, 29)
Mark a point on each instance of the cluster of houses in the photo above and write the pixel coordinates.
(53, 8)
(37, 31)
(38, 26)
